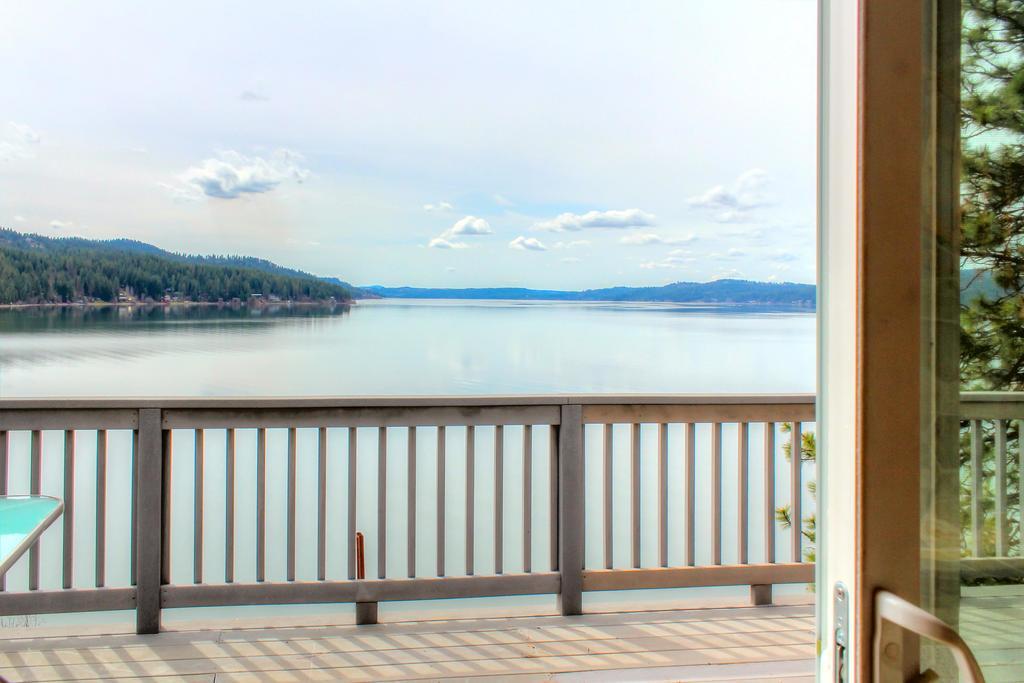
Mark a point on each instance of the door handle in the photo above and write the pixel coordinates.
(894, 609)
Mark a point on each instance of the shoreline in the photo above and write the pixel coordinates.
(172, 304)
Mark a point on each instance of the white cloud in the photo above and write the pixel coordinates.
(230, 175)
(734, 204)
(782, 256)
(19, 219)
(646, 238)
(730, 274)
(20, 132)
(527, 243)
(61, 225)
(730, 254)
(616, 218)
(443, 243)
(677, 258)
(17, 140)
(253, 96)
(440, 206)
(450, 269)
(502, 200)
(572, 244)
(572, 259)
(469, 225)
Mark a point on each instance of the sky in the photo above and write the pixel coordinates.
(547, 144)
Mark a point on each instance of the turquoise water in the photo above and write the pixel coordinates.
(19, 517)
(407, 347)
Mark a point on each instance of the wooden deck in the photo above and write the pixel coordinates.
(743, 643)
(992, 623)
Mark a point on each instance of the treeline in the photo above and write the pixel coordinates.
(73, 273)
(719, 291)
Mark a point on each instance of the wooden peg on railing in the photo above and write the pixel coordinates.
(366, 612)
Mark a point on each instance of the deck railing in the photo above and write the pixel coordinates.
(990, 484)
(220, 502)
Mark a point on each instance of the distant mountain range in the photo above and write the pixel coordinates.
(719, 291)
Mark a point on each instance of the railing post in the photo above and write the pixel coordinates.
(570, 509)
(760, 594)
(149, 511)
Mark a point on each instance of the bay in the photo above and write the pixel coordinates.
(397, 348)
(406, 347)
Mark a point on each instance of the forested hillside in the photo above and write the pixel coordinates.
(35, 269)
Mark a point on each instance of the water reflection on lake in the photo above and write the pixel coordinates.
(405, 347)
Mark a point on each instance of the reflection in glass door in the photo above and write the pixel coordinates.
(973, 503)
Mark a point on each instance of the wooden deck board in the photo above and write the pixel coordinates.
(992, 623)
(537, 648)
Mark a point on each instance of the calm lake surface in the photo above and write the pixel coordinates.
(397, 347)
(406, 347)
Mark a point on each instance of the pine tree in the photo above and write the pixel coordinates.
(992, 224)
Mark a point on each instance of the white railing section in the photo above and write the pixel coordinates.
(991, 468)
(175, 503)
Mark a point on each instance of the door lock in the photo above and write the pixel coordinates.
(841, 633)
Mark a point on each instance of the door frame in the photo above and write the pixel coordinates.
(888, 257)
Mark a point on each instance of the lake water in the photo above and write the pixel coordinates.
(397, 347)
(406, 347)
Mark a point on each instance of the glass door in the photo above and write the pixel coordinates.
(974, 477)
(921, 379)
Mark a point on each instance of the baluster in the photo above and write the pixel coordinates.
(261, 504)
(134, 463)
(769, 491)
(609, 443)
(977, 512)
(411, 508)
(691, 493)
(470, 475)
(197, 519)
(634, 498)
(1002, 530)
(382, 502)
(4, 441)
(352, 451)
(3, 481)
(499, 497)
(321, 505)
(101, 508)
(796, 486)
(716, 493)
(553, 474)
(441, 446)
(290, 540)
(229, 506)
(1020, 489)
(69, 509)
(35, 487)
(663, 495)
(527, 498)
(743, 456)
(166, 450)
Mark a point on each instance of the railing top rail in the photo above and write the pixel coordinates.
(453, 401)
(992, 397)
